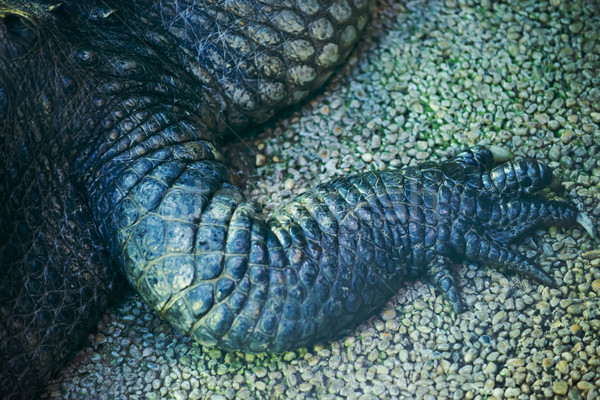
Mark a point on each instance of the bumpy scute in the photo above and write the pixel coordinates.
(104, 107)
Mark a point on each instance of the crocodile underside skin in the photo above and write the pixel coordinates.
(110, 118)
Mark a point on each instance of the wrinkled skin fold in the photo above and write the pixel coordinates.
(110, 118)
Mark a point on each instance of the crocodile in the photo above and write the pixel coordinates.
(111, 117)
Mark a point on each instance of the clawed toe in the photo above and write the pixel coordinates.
(440, 274)
(585, 221)
(491, 207)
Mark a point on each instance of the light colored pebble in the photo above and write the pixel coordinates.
(560, 387)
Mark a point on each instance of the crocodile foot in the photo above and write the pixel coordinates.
(492, 206)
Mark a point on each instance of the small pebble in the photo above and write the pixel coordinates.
(560, 387)
(260, 160)
(288, 184)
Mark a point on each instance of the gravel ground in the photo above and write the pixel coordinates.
(428, 78)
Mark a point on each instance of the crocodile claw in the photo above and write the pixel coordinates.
(587, 224)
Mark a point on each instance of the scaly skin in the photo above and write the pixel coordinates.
(111, 114)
